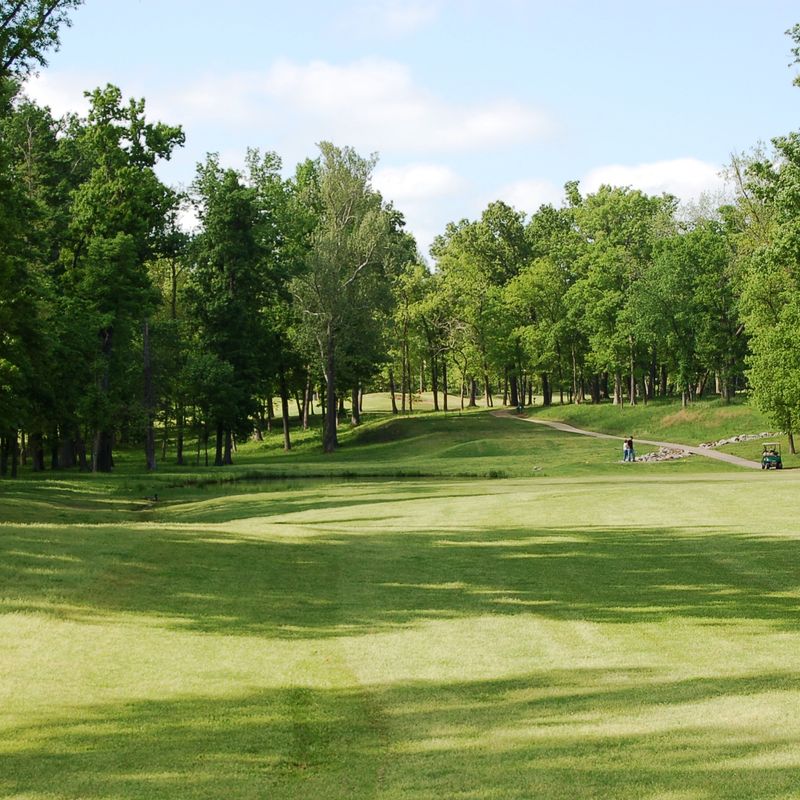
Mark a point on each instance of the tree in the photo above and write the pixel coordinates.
(620, 227)
(116, 214)
(226, 291)
(347, 249)
(28, 29)
(771, 280)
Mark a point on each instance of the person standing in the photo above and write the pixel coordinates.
(631, 452)
(625, 450)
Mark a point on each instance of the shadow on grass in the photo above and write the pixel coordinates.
(560, 734)
(327, 581)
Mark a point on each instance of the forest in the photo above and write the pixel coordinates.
(301, 289)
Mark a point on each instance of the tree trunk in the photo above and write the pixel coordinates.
(596, 389)
(309, 399)
(790, 434)
(102, 447)
(329, 439)
(14, 447)
(54, 453)
(180, 422)
(102, 458)
(651, 388)
(67, 451)
(577, 395)
(391, 391)
(726, 387)
(662, 382)
(165, 435)
(701, 385)
(227, 459)
(514, 387)
(445, 387)
(218, 462)
(547, 390)
(404, 376)
(270, 414)
(487, 387)
(355, 411)
(287, 442)
(149, 401)
(36, 446)
(632, 392)
(473, 393)
(435, 381)
(258, 423)
(80, 447)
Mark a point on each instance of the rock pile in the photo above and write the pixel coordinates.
(742, 437)
(664, 454)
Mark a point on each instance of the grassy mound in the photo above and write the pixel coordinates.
(707, 420)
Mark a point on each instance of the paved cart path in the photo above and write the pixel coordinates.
(699, 451)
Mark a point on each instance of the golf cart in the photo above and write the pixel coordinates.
(771, 456)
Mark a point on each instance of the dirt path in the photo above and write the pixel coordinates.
(698, 451)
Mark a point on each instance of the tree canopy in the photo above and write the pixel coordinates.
(116, 323)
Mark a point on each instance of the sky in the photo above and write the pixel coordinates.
(465, 102)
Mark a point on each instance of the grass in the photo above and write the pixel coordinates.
(660, 420)
(702, 421)
(593, 630)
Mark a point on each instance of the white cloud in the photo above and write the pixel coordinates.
(423, 193)
(394, 18)
(686, 178)
(402, 18)
(370, 104)
(61, 91)
(528, 195)
(416, 182)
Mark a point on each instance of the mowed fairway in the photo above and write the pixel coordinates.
(631, 634)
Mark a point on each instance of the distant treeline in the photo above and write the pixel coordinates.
(116, 322)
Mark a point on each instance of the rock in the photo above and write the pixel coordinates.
(663, 454)
(742, 437)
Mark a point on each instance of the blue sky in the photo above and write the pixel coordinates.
(465, 102)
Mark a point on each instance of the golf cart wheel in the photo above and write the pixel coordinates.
(763, 466)
(779, 466)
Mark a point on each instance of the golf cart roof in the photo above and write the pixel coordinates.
(771, 446)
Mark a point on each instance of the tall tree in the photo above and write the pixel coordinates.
(115, 217)
(226, 291)
(347, 248)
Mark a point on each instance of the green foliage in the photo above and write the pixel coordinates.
(28, 29)
(345, 284)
